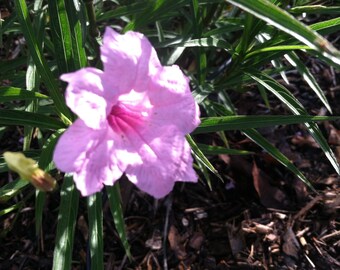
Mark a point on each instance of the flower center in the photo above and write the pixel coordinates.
(124, 118)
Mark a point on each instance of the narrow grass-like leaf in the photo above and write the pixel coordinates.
(37, 4)
(296, 107)
(252, 27)
(272, 14)
(32, 76)
(77, 21)
(69, 200)
(45, 160)
(11, 208)
(205, 171)
(229, 27)
(9, 190)
(209, 107)
(95, 214)
(61, 35)
(115, 202)
(324, 28)
(262, 38)
(294, 60)
(201, 157)
(40, 61)
(217, 150)
(282, 48)
(315, 9)
(264, 95)
(32, 84)
(151, 11)
(327, 27)
(200, 42)
(21, 118)
(160, 32)
(135, 8)
(67, 35)
(8, 93)
(256, 137)
(237, 122)
(45, 163)
(40, 199)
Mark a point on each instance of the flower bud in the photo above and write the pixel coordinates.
(28, 170)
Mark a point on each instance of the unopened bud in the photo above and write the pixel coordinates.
(28, 170)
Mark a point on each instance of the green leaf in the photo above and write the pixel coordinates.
(40, 61)
(8, 93)
(327, 27)
(201, 157)
(205, 171)
(9, 190)
(40, 199)
(11, 208)
(200, 42)
(66, 35)
(225, 28)
(77, 20)
(135, 8)
(282, 48)
(151, 11)
(114, 197)
(95, 216)
(46, 164)
(264, 95)
(46, 156)
(241, 122)
(252, 27)
(256, 137)
(69, 200)
(294, 60)
(61, 35)
(296, 107)
(32, 76)
(315, 9)
(21, 118)
(324, 28)
(217, 150)
(272, 14)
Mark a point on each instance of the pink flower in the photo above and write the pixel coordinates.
(133, 118)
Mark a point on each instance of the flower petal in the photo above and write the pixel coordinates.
(89, 154)
(150, 180)
(186, 172)
(73, 145)
(128, 59)
(165, 160)
(173, 104)
(100, 167)
(85, 96)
